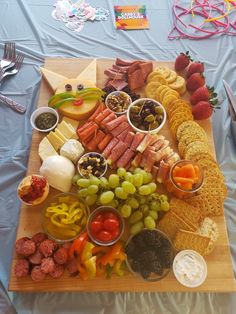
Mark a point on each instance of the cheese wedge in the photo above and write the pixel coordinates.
(53, 79)
(89, 73)
(46, 149)
(55, 140)
(61, 135)
(72, 122)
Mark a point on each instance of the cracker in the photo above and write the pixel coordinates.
(171, 223)
(172, 77)
(178, 84)
(176, 124)
(163, 70)
(152, 75)
(209, 228)
(185, 125)
(168, 100)
(151, 88)
(195, 148)
(186, 114)
(186, 240)
(186, 211)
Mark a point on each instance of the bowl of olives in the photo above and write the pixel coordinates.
(146, 115)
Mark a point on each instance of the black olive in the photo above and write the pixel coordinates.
(68, 87)
(80, 87)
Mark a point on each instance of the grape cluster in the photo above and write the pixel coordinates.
(133, 194)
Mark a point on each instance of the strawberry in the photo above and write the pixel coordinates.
(203, 93)
(195, 67)
(182, 61)
(195, 81)
(202, 110)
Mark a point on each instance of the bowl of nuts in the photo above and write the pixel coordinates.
(146, 115)
(92, 164)
(118, 102)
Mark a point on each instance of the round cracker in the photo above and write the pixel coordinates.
(163, 70)
(172, 77)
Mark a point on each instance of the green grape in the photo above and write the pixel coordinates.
(138, 170)
(153, 214)
(144, 190)
(155, 196)
(128, 187)
(120, 193)
(137, 179)
(113, 203)
(83, 183)
(133, 203)
(104, 182)
(113, 181)
(121, 172)
(147, 177)
(135, 217)
(163, 197)
(155, 205)
(83, 192)
(152, 186)
(142, 200)
(136, 228)
(149, 222)
(165, 206)
(144, 209)
(129, 177)
(94, 180)
(92, 189)
(75, 178)
(125, 211)
(106, 197)
(91, 199)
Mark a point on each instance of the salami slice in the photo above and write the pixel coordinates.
(39, 237)
(36, 258)
(61, 256)
(72, 267)
(25, 247)
(57, 272)
(47, 265)
(37, 274)
(21, 268)
(47, 247)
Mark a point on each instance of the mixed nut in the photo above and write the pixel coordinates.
(118, 101)
(92, 164)
(146, 115)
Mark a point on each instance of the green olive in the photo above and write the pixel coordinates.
(159, 118)
(134, 109)
(150, 118)
(158, 110)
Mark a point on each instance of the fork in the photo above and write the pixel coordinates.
(9, 55)
(18, 63)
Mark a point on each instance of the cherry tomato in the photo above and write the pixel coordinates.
(110, 224)
(115, 233)
(104, 236)
(110, 215)
(99, 217)
(96, 226)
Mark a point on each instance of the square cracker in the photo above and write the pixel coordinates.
(187, 240)
(186, 211)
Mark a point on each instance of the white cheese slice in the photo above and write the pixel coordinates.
(55, 140)
(67, 130)
(46, 149)
(89, 73)
(72, 150)
(53, 79)
(74, 123)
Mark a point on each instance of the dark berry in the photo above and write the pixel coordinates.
(80, 86)
(68, 87)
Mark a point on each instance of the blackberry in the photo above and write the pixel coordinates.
(131, 249)
(165, 242)
(139, 241)
(156, 267)
(165, 255)
(136, 266)
(147, 257)
(144, 272)
(152, 238)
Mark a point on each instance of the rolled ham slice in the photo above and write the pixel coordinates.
(111, 117)
(120, 128)
(110, 146)
(117, 151)
(104, 142)
(125, 159)
(163, 172)
(102, 115)
(137, 140)
(113, 124)
(129, 138)
(145, 143)
(122, 135)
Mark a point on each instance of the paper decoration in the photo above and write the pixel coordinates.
(131, 17)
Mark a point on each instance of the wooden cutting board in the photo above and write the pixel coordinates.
(220, 272)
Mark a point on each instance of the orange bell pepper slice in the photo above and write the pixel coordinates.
(109, 257)
(78, 245)
(100, 249)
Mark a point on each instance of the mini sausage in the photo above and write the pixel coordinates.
(37, 274)
(36, 258)
(39, 237)
(21, 268)
(61, 256)
(72, 267)
(47, 265)
(25, 247)
(58, 271)
(47, 247)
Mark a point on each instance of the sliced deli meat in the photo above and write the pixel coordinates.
(47, 265)
(136, 80)
(21, 268)
(57, 272)
(37, 274)
(61, 256)
(36, 258)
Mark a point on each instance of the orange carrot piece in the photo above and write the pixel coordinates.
(189, 171)
(183, 180)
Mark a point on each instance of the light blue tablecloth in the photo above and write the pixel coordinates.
(38, 35)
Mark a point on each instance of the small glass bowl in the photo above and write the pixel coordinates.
(93, 154)
(117, 95)
(38, 112)
(190, 257)
(50, 212)
(102, 210)
(25, 185)
(142, 100)
(163, 239)
(179, 192)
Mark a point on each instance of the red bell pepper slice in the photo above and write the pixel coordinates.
(78, 244)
